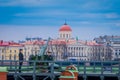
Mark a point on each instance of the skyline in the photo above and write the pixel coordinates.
(43, 18)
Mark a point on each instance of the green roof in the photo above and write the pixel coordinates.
(73, 70)
(3, 69)
(67, 77)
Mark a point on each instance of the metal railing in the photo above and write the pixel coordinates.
(50, 69)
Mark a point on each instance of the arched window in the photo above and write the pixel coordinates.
(60, 35)
(66, 35)
(63, 35)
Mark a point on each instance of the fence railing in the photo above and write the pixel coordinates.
(52, 68)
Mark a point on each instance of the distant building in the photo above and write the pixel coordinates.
(99, 53)
(65, 47)
(32, 48)
(75, 49)
(113, 42)
(65, 32)
(9, 50)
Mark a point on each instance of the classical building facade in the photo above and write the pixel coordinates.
(74, 49)
(65, 47)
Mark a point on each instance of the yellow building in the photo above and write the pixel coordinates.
(13, 52)
(9, 50)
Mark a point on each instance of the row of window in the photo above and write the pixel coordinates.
(65, 35)
(89, 49)
(80, 54)
(117, 53)
(117, 50)
(34, 48)
(4, 51)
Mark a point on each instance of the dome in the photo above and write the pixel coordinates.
(65, 27)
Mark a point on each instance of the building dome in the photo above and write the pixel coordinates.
(65, 27)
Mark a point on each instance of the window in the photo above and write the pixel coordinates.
(28, 53)
(2, 50)
(10, 56)
(10, 51)
(67, 35)
(15, 51)
(74, 48)
(68, 48)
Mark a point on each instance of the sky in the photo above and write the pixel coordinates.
(43, 18)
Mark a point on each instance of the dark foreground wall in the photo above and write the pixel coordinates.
(56, 78)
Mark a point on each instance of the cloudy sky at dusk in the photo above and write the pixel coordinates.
(43, 18)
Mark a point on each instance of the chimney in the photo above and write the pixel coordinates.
(1, 41)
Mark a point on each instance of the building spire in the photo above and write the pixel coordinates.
(65, 22)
